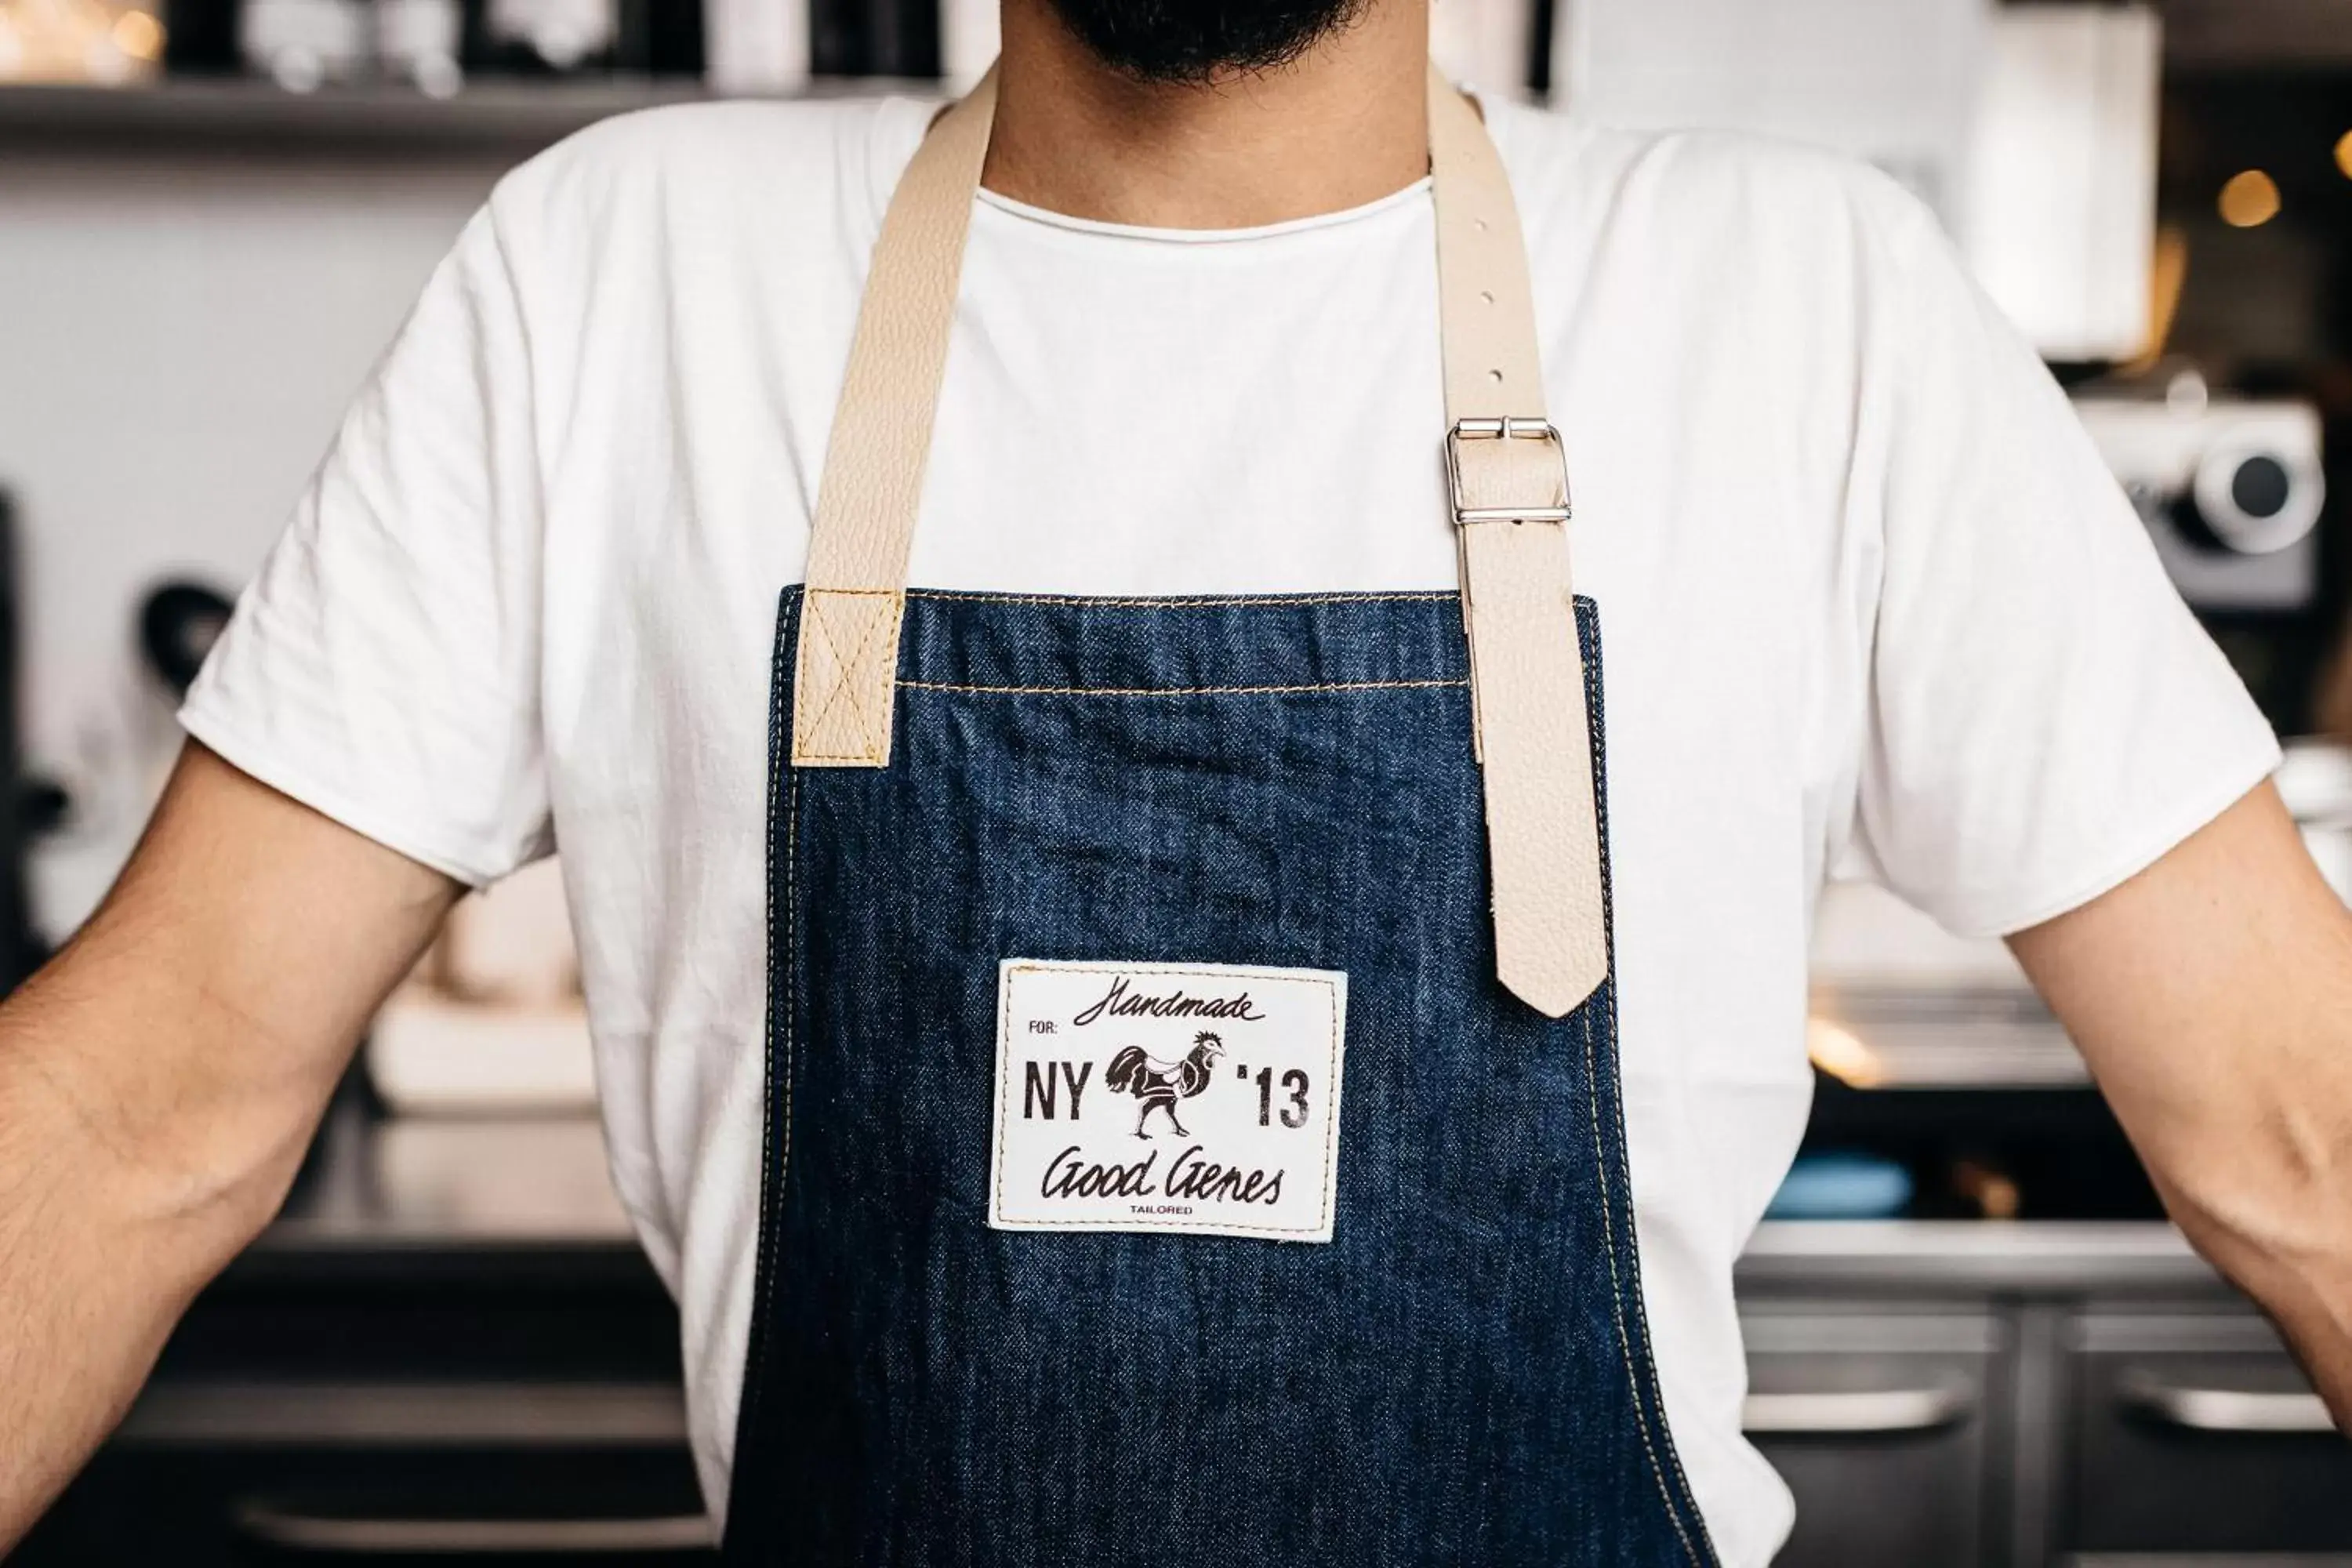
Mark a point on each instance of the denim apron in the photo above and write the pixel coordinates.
(1187, 1145)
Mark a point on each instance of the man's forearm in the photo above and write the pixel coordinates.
(79, 1328)
(102, 1241)
(2212, 996)
(158, 1082)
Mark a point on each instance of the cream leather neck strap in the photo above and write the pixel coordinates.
(1510, 495)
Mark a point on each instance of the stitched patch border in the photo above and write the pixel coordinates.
(1201, 1099)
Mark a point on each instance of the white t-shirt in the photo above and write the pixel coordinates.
(1868, 596)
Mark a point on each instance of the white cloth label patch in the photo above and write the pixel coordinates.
(1164, 1097)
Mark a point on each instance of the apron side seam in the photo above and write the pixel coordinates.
(1617, 1301)
(1639, 1385)
(749, 1405)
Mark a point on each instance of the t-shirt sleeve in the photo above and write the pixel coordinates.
(2046, 718)
(383, 667)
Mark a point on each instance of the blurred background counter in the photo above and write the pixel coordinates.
(1973, 1337)
(451, 1347)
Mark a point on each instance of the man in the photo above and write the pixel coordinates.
(1183, 731)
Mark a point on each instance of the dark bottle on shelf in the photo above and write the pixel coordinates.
(21, 950)
(906, 38)
(837, 38)
(662, 38)
(200, 38)
(875, 37)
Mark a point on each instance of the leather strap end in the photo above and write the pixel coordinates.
(1555, 974)
(845, 676)
(1552, 921)
(1543, 821)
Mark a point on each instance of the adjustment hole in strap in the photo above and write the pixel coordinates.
(1496, 376)
(1488, 295)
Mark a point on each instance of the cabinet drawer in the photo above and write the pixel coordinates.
(206, 1473)
(1877, 1420)
(2199, 1436)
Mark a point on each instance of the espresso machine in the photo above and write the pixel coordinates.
(2232, 489)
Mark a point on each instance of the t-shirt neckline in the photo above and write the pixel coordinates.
(1047, 217)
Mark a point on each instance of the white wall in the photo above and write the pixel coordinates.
(179, 332)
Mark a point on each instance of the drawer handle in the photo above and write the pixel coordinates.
(2224, 1409)
(2206, 1560)
(478, 1537)
(1856, 1414)
(419, 1414)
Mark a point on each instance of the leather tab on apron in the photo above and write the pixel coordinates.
(1509, 493)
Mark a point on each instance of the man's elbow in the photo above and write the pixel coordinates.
(2274, 1213)
(178, 1173)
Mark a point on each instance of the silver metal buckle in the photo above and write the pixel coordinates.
(1506, 429)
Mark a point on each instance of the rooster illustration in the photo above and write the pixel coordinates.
(1159, 1084)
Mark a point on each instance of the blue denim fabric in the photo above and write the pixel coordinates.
(1462, 1375)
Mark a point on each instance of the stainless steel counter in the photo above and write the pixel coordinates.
(2023, 1258)
(463, 1188)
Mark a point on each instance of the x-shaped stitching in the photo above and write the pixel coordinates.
(846, 670)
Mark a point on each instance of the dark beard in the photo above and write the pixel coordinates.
(1189, 42)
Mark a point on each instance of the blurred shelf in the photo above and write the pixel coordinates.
(2214, 36)
(1942, 1038)
(184, 113)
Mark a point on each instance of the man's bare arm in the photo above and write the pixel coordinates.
(158, 1081)
(2212, 996)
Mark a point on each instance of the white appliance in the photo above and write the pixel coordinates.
(302, 45)
(2031, 129)
(758, 46)
(2061, 201)
(2231, 490)
(418, 41)
(1893, 81)
(563, 33)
